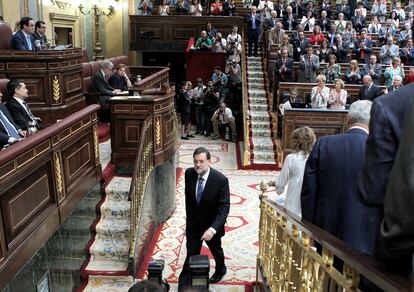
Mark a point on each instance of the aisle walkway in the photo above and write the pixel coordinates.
(241, 240)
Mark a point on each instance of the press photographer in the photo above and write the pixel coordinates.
(220, 82)
(233, 70)
(233, 51)
(203, 42)
(211, 103)
(219, 44)
(222, 118)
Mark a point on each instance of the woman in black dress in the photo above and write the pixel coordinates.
(185, 109)
(120, 79)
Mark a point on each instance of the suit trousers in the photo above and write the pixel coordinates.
(253, 42)
(193, 248)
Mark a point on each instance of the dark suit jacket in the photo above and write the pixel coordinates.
(372, 93)
(18, 42)
(41, 38)
(19, 114)
(4, 137)
(250, 31)
(387, 117)
(101, 85)
(285, 22)
(377, 72)
(214, 205)
(396, 240)
(286, 76)
(329, 192)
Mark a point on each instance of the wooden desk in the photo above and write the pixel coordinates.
(53, 78)
(322, 122)
(127, 117)
(42, 179)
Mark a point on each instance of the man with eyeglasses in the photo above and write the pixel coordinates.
(39, 34)
(23, 40)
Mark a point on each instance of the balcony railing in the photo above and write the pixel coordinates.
(289, 261)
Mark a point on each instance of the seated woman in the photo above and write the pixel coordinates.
(338, 96)
(286, 44)
(196, 9)
(394, 69)
(349, 35)
(395, 20)
(374, 26)
(333, 70)
(324, 52)
(216, 8)
(340, 23)
(293, 169)
(320, 93)
(308, 21)
(352, 75)
(164, 8)
(120, 79)
(317, 36)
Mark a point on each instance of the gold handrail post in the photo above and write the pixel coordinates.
(260, 256)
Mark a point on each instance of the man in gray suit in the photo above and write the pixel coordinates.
(389, 51)
(372, 69)
(309, 66)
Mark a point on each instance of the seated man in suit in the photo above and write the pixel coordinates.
(19, 109)
(10, 132)
(370, 90)
(39, 34)
(397, 82)
(23, 39)
(100, 82)
(373, 69)
(283, 68)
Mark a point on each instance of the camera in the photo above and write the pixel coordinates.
(155, 268)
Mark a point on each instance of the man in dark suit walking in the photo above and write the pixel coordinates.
(207, 203)
(100, 82)
(253, 30)
(329, 192)
(23, 39)
(18, 107)
(370, 90)
(10, 132)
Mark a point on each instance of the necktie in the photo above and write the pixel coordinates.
(374, 30)
(29, 111)
(11, 130)
(29, 43)
(144, 8)
(200, 189)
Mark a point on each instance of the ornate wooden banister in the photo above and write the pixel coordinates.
(246, 132)
(288, 260)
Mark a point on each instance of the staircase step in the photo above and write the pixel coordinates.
(261, 132)
(115, 209)
(262, 144)
(261, 125)
(255, 71)
(118, 188)
(256, 86)
(259, 107)
(109, 283)
(103, 265)
(257, 100)
(113, 228)
(263, 117)
(264, 155)
(110, 248)
(255, 80)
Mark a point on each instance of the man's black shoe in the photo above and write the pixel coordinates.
(190, 136)
(185, 138)
(216, 278)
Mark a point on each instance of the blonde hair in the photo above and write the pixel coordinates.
(340, 82)
(355, 63)
(321, 77)
(303, 139)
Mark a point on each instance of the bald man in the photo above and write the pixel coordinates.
(369, 90)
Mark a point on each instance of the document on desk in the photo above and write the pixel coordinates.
(284, 106)
(126, 92)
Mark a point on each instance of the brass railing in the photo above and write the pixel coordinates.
(246, 121)
(143, 167)
(289, 261)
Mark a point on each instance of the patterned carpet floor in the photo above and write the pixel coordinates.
(241, 240)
